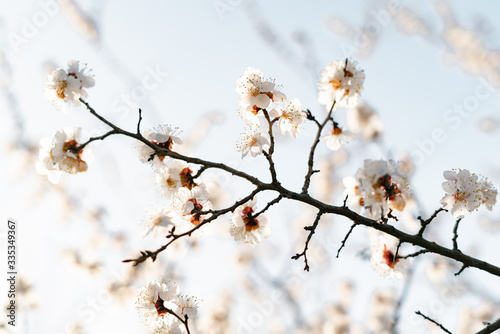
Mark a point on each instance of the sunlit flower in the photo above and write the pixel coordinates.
(179, 174)
(253, 144)
(257, 94)
(188, 305)
(45, 165)
(165, 137)
(248, 228)
(463, 193)
(63, 153)
(159, 222)
(68, 86)
(488, 193)
(379, 186)
(384, 260)
(337, 138)
(190, 203)
(153, 301)
(291, 117)
(342, 82)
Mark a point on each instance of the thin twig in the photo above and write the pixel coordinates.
(455, 234)
(139, 122)
(310, 161)
(434, 322)
(107, 134)
(424, 223)
(423, 251)
(274, 201)
(345, 239)
(461, 270)
(269, 155)
(312, 230)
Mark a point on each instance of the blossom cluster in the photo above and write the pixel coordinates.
(378, 187)
(62, 154)
(466, 192)
(341, 83)
(261, 100)
(175, 179)
(157, 303)
(68, 85)
(190, 200)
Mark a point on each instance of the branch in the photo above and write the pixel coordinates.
(139, 122)
(345, 239)
(312, 118)
(455, 234)
(423, 251)
(107, 134)
(215, 214)
(304, 197)
(183, 321)
(434, 322)
(310, 162)
(312, 230)
(269, 155)
(274, 201)
(424, 223)
(175, 155)
(490, 328)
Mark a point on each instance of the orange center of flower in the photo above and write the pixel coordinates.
(459, 196)
(389, 257)
(170, 182)
(61, 89)
(72, 146)
(251, 223)
(187, 180)
(160, 308)
(255, 110)
(335, 84)
(336, 131)
(196, 212)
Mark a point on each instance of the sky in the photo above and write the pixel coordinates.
(179, 62)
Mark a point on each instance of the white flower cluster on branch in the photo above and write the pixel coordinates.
(378, 188)
(163, 310)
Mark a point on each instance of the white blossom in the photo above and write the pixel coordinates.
(384, 260)
(291, 117)
(170, 179)
(188, 305)
(165, 137)
(152, 301)
(253, 144)
(189, 203)
(68, 86)
(378, 187)
(337, 138)
(246, 227)
(342, 82)
(462, 190)
(158, 221)
(62, 154)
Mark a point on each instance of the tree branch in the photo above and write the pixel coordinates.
(490, 328)
(434, 322)
(345, 239)
(312, 230)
